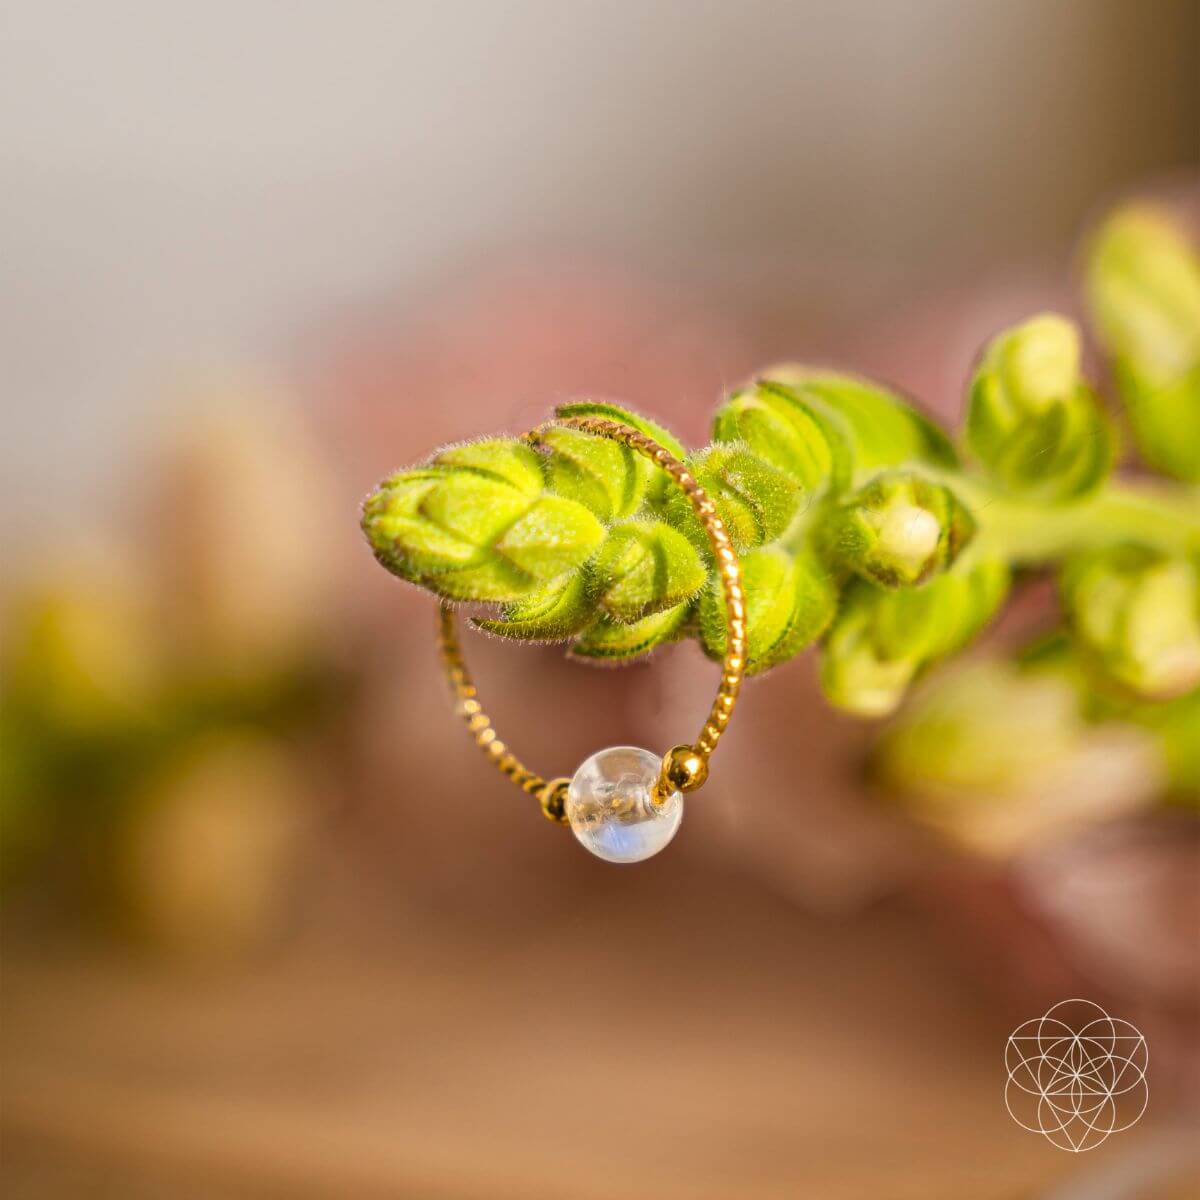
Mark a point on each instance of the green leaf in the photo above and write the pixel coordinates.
(1136, 613)
(941, 617)
(511, 461)
(856, 673)
(474, 509)
(553, 613)
(1032, 423)
(404, 523)
(1174, 723)
(644, 567)
(777, 425)
(1143, 289)
(882, 639)
(881, 428)
(973, 754)
(790, 601)
(606, 477)
(491, 580)
(756, 501)
(616, 641)
(595, 408)
(475, 525)
(897, 531)
(553, 536)
(658, 482)
(1165, 420)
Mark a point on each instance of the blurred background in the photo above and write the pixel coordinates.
(271, 927)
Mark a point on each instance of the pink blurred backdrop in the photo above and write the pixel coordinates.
(262, 255)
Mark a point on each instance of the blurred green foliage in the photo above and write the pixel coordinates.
(91, 708)
(1143, 289)
(156, 692)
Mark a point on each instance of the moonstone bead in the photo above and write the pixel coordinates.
(610, 810)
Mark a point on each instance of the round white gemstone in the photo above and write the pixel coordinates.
(610, 809)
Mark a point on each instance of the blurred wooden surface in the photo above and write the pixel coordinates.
(668, 1033)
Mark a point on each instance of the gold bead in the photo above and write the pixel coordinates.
(683, 769)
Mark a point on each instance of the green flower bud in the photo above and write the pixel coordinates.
(1032, 423)
(1165, 421)
(882, 639)
(1174, 724)
(1143, 288)
(618, 641)
(507, 459)
(658, 483)
(644, 567)
(776, 423)
(614, 412)
(879, 428)
(609, 479)
(939, 618)
(552, 613)
(475, 524)
(756, 501)
(554, 536)
(856, 674)
(982, 727)
(898, 530)
(790, 601)
(1136, 612)
(999, 758)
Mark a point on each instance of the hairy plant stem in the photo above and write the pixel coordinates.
(1034, 533)
(1030, 533)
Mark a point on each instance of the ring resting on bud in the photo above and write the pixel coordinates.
(623, 804)
(857, 527)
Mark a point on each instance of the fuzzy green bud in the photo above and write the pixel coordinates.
(882, 639)
(790, 601)
(1173, 723)
(857, 673)
(876, 425)
(658, 483)
(1032, 422)
(774, 421)
(756, 501)
(604, 476)
(898, 530)
(553, 613)
(1136, 612)
(999, 758)
(477, 524)
(983, 728)
(612, 641)
(1143, 288)
(644, 567)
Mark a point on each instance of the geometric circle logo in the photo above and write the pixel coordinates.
(1076, 1075)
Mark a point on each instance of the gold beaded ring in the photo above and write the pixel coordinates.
(623, 804)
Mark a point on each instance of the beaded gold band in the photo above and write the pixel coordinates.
(549, 792)
(684, 768)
